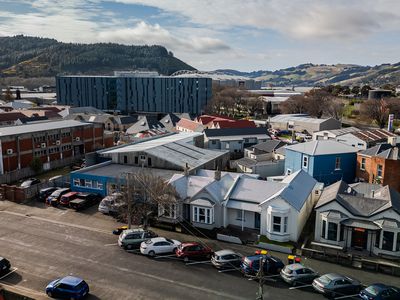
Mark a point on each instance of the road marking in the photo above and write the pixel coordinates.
(226, 270)
(113, 244)
(12, 271)
(344, 297)
(300, 287)
(206, 262)
(169, 257)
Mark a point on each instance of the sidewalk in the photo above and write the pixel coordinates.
(90, 219)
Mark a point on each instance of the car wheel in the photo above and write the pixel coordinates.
(186, 259)
(49, 294)
(152, 253)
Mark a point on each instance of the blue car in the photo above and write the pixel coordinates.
(69, 287)
(380, 291)
(251, 264)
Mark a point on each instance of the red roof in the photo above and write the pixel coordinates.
(11, 116)
(205, 119)
(188, 124)
(235, 124)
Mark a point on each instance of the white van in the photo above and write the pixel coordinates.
(110, 204)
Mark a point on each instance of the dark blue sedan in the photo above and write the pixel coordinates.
(69, 287)
(380, 291)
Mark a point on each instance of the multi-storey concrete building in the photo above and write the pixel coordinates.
(50, 141)
(130, 94)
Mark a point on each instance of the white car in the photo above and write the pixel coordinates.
(158, 245)
(110, 204)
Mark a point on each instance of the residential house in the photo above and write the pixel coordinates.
(380, 164)
(334, 133)
(364, 139)
(262, 159)
(359, 217)
(278, 210)
(187, 125)
(146, 126)
(234, 139)
(303, 123)
(326, 160)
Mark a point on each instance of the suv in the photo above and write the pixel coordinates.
(84, 200)
(46, 192)
(4, 265)
(29, 182)
(111, 204)
(251, 264)
(193, 250)
(54, 198)
(132, 238)
(66, 198)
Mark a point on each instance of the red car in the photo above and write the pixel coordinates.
(193, 250)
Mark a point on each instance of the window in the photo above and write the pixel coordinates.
(149, 161)
(379, 171)
(337, 163)
(398, 242)
(239, 215)
(99, 186)
(167, 210)
(332, 231)
(125, 159)
(202, 215)
(362, 166)
(341, 238)
(276, 224)
(88, 183)
(377, 239)
(227, 146)
(136, 160)
(285, 222)
(213, 142)
(305, 161)
(388, 240)
(323, 235)
(76, 182)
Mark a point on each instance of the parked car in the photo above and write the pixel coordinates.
(159, 245)
(29, 182)
(226, 259)
(333, 285)
(193, 250)
(66, 198)
(84, 200)
(111, 204)
(54, 198)
(46, 192)
(251, 264)
(5, 265)
(298, 273)
(69, 287)
(132, 238)
(380, 291)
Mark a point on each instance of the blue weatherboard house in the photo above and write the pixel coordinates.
(326, 160)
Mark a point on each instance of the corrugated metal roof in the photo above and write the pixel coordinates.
(236, 132)
(295, 118)
(243, 205)
(322, 147)
(37, 127)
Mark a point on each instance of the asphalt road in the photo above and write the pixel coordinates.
(43, 248)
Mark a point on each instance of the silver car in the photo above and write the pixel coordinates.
(297, 273)
(226, 259)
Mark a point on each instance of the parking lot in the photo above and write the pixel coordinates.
(45, 243)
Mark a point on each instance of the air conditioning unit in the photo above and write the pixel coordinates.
(43, 145)
(58, 143)
(10, 151)
(77, 139)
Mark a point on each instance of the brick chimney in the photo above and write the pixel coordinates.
(217, 174)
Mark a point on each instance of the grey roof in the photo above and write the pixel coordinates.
(269, 146)
(145, 123)
(384, 150)
(169, 121)
(90, 110)
(39, 126)
(127, 119)
(235, 132)
(365, 188)
(322, 147)
(373, 135)
(246, 162)
(296, 118)
(341, 131)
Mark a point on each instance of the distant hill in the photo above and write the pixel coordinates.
(24, 56)
(312, 75)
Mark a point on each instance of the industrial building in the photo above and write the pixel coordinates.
(135, 93)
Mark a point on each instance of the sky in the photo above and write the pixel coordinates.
(245, 35)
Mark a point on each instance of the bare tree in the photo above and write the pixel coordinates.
(294, 105)
(334, 109)
(143, 193)
(375, 110)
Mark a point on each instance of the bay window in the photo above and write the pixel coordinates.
(276, 224)
(332, 231)
(388, 240)
(203, 215)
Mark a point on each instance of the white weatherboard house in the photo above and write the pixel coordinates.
(361, 216)
(212, 200)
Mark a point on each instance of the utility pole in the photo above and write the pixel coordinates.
(260, 277)
(130, 188)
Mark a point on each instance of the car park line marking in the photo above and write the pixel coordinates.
(348, 296)
(206, 262)
(113, 244)
(168, 257)
(299, 287)
(227, 270)
(11, 271)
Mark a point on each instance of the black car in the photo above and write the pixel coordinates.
(4, 265)
(251, 264)
(84, 200)
(29, 182)
(334, 285)
(380, 291)
(46, 192)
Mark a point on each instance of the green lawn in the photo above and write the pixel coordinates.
(264, 239)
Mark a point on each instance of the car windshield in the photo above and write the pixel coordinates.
(171, 241)
(325, 279)
(373, 290)
(26, 183)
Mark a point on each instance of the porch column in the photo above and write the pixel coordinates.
(242, 219)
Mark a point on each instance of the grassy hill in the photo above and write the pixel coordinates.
(24, 56)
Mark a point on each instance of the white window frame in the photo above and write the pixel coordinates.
(280, 223)
(77, 182)
(377, 171)
(362, 164)
(240, 215)
(171, 212)
(338, 228)
(304, 163)
(338, 162)
(285, 224)
(88, 183)
(208, 214)
(99, 185)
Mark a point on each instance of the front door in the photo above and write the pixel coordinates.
(359, 238)
(257, 218)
